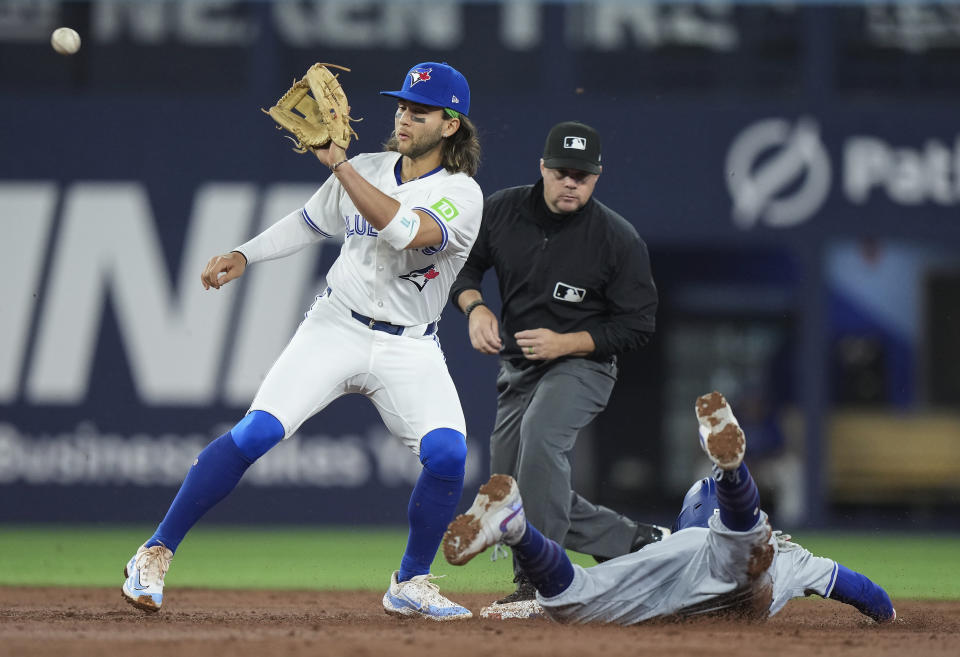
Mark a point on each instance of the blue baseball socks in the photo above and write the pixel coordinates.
(215, 473)
(434, 500)
(737, 498)
(544, 562)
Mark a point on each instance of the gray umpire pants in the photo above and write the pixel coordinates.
(541, 409)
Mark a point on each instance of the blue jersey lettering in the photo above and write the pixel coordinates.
(358, 226)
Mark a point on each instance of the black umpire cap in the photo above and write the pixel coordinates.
(572, 145)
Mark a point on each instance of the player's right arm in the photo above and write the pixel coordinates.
(287, 236)
(298, 229)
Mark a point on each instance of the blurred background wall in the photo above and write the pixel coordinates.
(793, 167)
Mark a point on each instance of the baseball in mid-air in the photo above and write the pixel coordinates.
(65, 40)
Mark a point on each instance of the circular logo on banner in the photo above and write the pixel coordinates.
(778, 174)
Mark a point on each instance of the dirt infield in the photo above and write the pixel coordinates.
(96, 622)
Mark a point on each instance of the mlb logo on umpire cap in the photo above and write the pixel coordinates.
(572, 145)
(435, 84)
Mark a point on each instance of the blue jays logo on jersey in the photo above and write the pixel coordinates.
(420, 277)
(419, 75)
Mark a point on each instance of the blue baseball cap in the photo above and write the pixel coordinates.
(435, 84)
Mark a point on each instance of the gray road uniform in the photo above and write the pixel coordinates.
(695, 570)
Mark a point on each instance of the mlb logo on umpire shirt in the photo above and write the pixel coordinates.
(577, 143)
(564, 292)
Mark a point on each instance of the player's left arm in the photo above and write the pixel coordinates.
(376, 207)
(454, 208)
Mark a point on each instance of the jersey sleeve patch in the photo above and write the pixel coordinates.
(430, 250)
(306, 218)
(446, 209)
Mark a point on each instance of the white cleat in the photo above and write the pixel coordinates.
(145, 572)
(720, 435)
(496, 516)
(419, 597)
(522, 603)
(522, 609)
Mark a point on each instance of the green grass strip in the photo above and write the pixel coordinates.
(908, 566)
(916, 566)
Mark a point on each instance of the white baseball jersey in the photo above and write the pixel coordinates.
(693, 571)
(333, 353)
(402, 287)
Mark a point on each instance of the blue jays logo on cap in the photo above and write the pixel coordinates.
(419, 75)
(435, 84)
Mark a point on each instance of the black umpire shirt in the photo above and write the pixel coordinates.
(584, 271)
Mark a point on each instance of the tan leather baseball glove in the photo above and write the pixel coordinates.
(315, 120)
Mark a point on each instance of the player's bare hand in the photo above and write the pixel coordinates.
(542, 344)
(330, 154)
(222, 269)
(484, 331)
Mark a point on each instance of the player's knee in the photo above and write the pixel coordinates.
(444, 453)
(257, 433)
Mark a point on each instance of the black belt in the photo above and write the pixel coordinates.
(387, 327)
(521, 363)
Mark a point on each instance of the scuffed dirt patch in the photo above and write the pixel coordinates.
(194, 623)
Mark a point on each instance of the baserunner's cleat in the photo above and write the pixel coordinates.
(496, 516)
(720, 434)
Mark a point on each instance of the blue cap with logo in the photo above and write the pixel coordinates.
(435, 84)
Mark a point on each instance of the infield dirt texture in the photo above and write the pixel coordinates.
(195, 622)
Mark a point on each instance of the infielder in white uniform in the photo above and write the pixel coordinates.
(723, 556)
(408, 217)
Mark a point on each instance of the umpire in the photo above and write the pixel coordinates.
(576, 290)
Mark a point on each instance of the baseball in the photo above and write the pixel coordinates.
(65, 40)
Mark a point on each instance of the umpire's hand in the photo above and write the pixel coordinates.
(222, 269)
(484, 331)
(544, 344)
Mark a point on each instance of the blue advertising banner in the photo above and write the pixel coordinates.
(125, 167)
